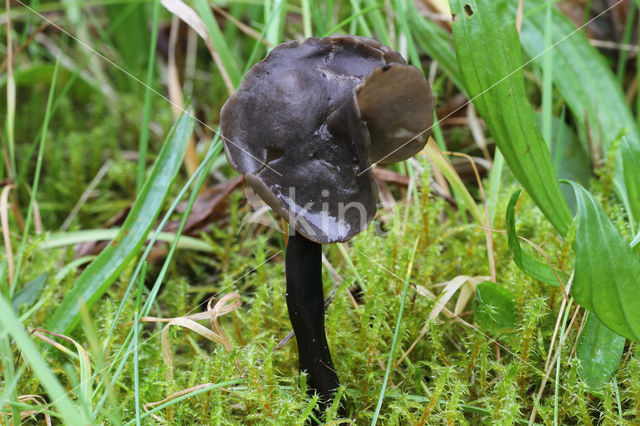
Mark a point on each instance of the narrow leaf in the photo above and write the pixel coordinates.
(437, 43)
(606, 269)
(61, 239)
(490, 61)
(599, 351)
(219, 42)
(102, 272)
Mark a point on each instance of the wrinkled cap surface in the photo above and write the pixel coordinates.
(308, 121)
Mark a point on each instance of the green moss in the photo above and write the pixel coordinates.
(455, 374)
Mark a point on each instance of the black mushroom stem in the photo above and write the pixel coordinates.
(305, 301)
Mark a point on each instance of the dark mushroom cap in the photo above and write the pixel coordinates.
(308, 121)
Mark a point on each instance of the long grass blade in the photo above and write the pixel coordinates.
(218, 40)
(103, 271)
(36, 181)
(396, 333)
(146, 114)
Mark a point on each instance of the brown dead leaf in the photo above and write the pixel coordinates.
(208, 206)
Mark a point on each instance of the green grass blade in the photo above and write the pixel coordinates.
(98, 355)
(490, 60)
(61, 239)
(136, 343)
(9, 375)
(376, 18)
(396, 333)
(437, 43)
(128, 28)
(146, 115)
(36, 181)
(31, 354)
(103, 271)
(30, 293)
(583, 78)
(448, 171)
(306, 18)
(275, 27)
(127, 347)
(626, 39)
(186, 396)
(362, 23)
(348, 20)
(402, 8)
(220, 43)
(606, 269)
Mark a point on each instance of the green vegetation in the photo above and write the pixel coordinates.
(453, 307)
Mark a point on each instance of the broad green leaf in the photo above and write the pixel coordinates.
(495, 308)
(526, 262)
(599, 351)
(490, 61)
(584, 79)
(102, 272)
(606, 269)
(10, 323)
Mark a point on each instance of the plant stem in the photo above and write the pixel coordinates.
(305, 301)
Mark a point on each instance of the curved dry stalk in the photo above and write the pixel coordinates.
(38, 400)
(4, 219)
(225, 305)
(177, 97)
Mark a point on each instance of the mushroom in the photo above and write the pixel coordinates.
(306, 127)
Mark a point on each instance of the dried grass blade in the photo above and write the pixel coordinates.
(4, 219)
(176, 95)
(225, 305)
